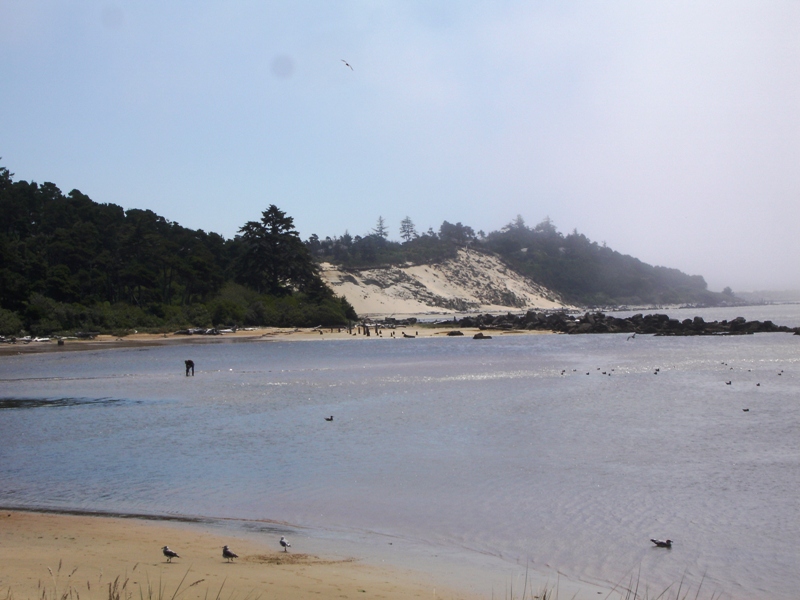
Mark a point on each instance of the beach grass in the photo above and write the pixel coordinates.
(121, 588)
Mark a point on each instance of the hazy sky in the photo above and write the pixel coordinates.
(669, 130)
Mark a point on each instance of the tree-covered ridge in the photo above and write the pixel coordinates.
(581, 271)
(593, 274)
(67, 262)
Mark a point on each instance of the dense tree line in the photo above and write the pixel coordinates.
(592, 274)
(580, 270)
(375, 249)
(67, 262)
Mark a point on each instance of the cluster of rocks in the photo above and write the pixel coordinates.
(204, 331)
(601, 323)
(391, 322)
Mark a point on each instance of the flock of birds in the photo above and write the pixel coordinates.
(227, 553)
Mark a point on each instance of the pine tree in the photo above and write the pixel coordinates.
(380, 229)
(407, 230)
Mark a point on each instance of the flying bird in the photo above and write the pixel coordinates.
(170, 554)
(285, 543)
(347, 64)
(662, 543)
(228, 554)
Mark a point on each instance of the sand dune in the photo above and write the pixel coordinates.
(471, 282)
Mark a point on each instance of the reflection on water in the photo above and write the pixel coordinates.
(570, 452)
(10, 403)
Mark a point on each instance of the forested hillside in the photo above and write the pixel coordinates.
(581, 271)
(67, 263)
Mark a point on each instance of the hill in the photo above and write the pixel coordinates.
(573, 268)
(68, 263)
(470, 281)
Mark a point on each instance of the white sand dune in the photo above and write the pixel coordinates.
(471, 282)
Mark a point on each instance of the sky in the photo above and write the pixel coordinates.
(668, 130)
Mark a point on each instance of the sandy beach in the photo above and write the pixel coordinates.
(261, 334)
(54, 556)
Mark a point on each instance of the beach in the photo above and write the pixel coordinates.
(52, 556)
(260, 334)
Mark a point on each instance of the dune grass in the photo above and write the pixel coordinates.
(121, 588)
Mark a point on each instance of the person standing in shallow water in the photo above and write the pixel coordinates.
(189, 367)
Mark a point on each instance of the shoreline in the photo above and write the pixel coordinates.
(263, 334)
(49, 554)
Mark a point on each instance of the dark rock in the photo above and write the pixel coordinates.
(597, 322)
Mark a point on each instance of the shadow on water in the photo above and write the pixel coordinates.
(21, 403)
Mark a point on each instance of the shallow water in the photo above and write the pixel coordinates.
(476, 448)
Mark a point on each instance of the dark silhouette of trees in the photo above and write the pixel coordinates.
(407, 230)
(273, 258)
(381, 230)
(456, 234)
(68, 262)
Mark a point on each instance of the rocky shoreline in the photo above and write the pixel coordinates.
(597, 322)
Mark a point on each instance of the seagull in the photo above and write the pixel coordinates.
(662, 543)
(347, 64)
(329, 418)
(631, 337)
(170, 554)
(228, 554)
(285, 543)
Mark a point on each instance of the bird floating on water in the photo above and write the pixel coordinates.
(170, 554)
(285, 543)
(228, 554)
(329, 418)
(662, 543)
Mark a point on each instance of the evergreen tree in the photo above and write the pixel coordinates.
(274, 259)
(407, 230)
(380, 229)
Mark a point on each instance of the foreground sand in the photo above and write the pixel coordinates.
(87, 553)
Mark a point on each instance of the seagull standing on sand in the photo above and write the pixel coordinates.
(170, 554)
(228, 555)
(285, 543)
(662, 543)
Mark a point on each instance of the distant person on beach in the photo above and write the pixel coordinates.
(189, 367)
